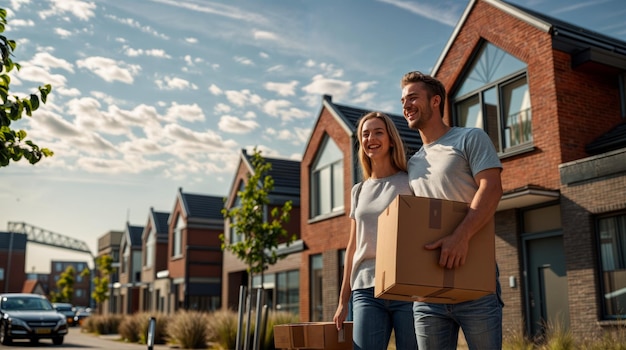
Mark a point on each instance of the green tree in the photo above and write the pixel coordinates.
(65, 286)
(260, 233)
(104, 268)
(13, 143)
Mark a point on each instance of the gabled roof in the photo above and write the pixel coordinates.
(349, 116)
(159, 224)
(584, 45)
(133, 235)
(201, 206)
(286, 175)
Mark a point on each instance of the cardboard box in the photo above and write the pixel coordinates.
(405, 270)
(313, 335)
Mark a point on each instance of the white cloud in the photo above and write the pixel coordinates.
(243, 97)
(175, 83)
(264, 35)
(82, 10)
(41, 76)
(191, 40)
(109, 69)
(221, 108)
(236, 125)
(46, 60)
(17, 22)
(243, 60)
(215, 90)
(325, 86)
(282, 109)
(282, 89)
(129, 51)
(63, 33)
(190, 113)
(448, 15)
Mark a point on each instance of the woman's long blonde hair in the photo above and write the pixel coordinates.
(398, 154)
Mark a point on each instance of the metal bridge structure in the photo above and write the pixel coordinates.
(48, 238)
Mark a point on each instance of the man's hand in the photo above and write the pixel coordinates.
(453, 250)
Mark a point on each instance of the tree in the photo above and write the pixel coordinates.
(13, 143)
(260, 236)
(104, 267)
(65, 286)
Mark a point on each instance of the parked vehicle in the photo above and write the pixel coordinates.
(30, 316)
(81, 314)
(67, 310)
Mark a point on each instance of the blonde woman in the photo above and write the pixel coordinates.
(383, 164)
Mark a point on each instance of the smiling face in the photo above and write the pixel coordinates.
(417, 106)
(375, 140)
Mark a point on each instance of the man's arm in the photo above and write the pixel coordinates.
(454, 247)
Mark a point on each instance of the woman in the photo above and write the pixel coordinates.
(383, 165)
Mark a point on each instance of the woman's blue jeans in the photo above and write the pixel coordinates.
(374, 319)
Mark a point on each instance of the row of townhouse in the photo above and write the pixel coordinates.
(551, 96)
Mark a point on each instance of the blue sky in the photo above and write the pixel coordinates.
(152, 95)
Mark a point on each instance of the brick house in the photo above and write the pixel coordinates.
(130, 269)
(109, 244)
(82, 285)
(154, 290)
(194, 254)
(551, 97)
(281, 279)
(12, 261)
(328, 171)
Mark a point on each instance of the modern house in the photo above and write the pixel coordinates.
(130, 269)
(154, 290)
(109, 244)
(194, 254)
(12, 261)
(280, 280)
(82, 284)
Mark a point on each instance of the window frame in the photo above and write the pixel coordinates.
(497, 133)
(621, 231)
(335, 189)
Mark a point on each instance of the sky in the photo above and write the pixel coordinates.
(150, 96)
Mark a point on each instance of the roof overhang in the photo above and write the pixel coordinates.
(525, 197)
(601, 56)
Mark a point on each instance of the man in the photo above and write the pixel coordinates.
(458, 164)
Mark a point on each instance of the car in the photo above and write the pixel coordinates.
(67, 310)
(30, 316)
(81, 314)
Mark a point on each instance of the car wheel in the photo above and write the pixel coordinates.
(4, 338)
(57, 340)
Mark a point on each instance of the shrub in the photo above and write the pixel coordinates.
(160, 331)
(103, 324)
(189, 329)
(130, 328)
(222, 329)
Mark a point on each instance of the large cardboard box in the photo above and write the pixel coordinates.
(313, 335)
(405, 270)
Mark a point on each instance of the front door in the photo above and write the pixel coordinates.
(547, 302)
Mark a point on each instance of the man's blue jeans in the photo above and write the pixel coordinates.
(437, 325)
(375, 318)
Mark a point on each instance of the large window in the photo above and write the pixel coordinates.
(177, 246)
(150, 248)
(327, 180)
(612, 245)
(288, 291)
(494, 96)
(316, 291)
(233, 236)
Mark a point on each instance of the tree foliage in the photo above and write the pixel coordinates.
(261, 232)
(13, 143)
(65, 286)
(104, 267)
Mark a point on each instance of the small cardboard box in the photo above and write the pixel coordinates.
(405, 270)
(313, 335)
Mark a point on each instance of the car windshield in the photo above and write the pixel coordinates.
(25, 303)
